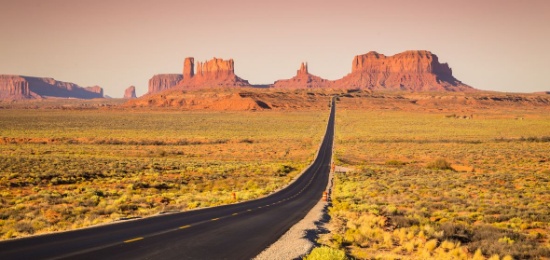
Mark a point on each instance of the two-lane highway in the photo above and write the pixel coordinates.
(236, 231)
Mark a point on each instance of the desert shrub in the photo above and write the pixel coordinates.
(493, 240)
(326, 253)
(247, 141)
(403, 222)
(395, 163)
(455, 232)
(285, 169)
(440, 164)
(24, 227)
(542, 139)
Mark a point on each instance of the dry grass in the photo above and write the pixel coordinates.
(427, 186)
(65, 169)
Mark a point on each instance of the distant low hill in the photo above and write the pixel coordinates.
(251, 99)
(24, 87)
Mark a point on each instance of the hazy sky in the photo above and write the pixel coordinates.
(499, 45)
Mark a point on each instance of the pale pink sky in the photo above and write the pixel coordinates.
(491, 44)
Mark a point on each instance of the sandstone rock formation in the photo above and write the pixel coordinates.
(209, 74)
(14, 87)
(24, 87)
(162, 82)
(215, 68)
(189, 68)
(302, 70)
(302, 80)
(130, 92)
(213, 73)
(95, 89)
(409, 71)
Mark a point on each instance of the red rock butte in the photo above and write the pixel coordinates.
(302, 80)
(209, 74)
(130, 92)
(161, 82)
(213, 73)
(409, 70)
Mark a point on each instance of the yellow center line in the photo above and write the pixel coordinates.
(133, 240)
(214, 219)
(186, 226)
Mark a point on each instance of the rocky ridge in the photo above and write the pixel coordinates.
(24, 87)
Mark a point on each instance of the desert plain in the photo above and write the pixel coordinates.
(431, 175)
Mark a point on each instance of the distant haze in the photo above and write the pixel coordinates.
(491, 44)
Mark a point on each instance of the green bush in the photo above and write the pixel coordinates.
(326, 253)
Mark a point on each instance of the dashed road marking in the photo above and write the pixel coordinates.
(214, 219)
(133, 240)
(184, 227)
(234, 214)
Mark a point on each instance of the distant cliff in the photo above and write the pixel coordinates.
(162, 82)
(24, 87)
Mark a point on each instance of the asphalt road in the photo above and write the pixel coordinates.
(237, 231)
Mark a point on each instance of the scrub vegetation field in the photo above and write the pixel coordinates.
(436, 186)
(65, 169)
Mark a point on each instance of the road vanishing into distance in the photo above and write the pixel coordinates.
(236, 231)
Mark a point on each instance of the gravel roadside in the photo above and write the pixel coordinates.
(299, 240)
